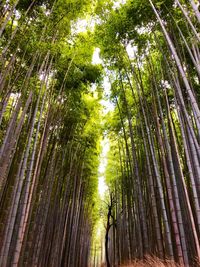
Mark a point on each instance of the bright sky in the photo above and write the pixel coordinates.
(118, 3)
(96, 56)
(131, 50)
(102, 167)
(82, 26)
(107, 105)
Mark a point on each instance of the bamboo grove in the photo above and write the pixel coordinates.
(151, 52)
(51, 127)
(49, 149)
